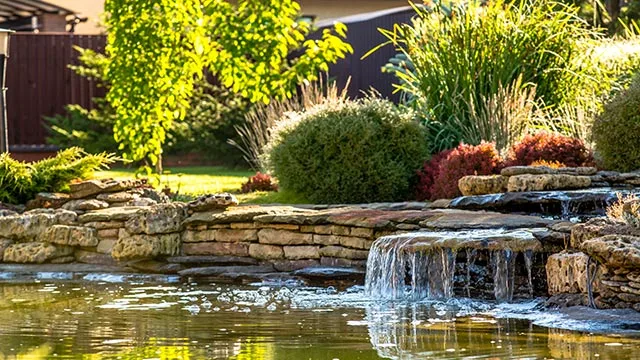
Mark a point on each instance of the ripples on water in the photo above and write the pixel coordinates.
(106, 318)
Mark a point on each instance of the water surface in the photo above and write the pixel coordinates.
(109, 319)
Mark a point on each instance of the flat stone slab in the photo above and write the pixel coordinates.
(456, 219)
(481, 239)
(241, 214)
(212, 260)
(110, 214)
(330, 273)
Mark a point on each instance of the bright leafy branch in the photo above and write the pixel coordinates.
(158, 48)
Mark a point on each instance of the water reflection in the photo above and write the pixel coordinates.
(186, 321)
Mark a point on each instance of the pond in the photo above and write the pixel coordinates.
(130, 318)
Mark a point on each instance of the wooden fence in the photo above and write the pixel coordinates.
(40, 83)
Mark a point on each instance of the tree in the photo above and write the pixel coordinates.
(157, 49)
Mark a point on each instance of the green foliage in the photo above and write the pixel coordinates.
(210, 122)
(456, 59)
(355, 151)
(616, 131)
(158, 48)
(20, 181)
(91, 130)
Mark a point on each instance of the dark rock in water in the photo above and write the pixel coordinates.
(561, 301)
(155, 267)
(564, 203)
(212, 260)
(330, 273)
(221, 270)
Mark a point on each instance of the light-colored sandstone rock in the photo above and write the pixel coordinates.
(361, 232)
(545, 182)
(157, 219)
(567, 273)
(284, 237)
(108, 233)
(142, 201)
(85, 205)
(527, 170)
(216, 248)
(32, 223)
(266, 252)
(191, 236)
(342, 252)
(69, 235)
(109, 215)
(105, 246)
(144, 246)
(117, 197)
(615, 251)
(631, 213)
(35, 252)
(243, 225)
(325, 239)
(4, 244)
(302, 252)
(231, 235)
(105, 225)
(481, 185)
(280, 227)
(355, 242)
(581, 170)
(86, 188)
(212, 201)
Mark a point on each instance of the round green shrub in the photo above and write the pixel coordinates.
(616, 131)
(357, 151)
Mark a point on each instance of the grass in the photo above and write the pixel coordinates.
(198, 180)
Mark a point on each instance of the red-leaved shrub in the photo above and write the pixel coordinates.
(259, 182)
(551, 147)
(427, 175)
(439, 176)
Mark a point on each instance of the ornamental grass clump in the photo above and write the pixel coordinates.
(456, 62)
(20, 181)
(350, 152)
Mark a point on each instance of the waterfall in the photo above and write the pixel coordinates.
(422, 265)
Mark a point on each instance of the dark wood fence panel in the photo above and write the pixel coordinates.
(40, 83)
(363, 35)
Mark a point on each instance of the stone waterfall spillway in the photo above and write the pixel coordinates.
(421, 265)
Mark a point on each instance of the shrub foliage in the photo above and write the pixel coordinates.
(356, 151)
(616, 131)
(439, 176)
(20, 181)
(550, 147)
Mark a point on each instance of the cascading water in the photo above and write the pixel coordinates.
(421, 265)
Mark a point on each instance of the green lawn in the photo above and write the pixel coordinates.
(198, 180)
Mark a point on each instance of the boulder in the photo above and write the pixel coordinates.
(144, 246)
(480, 185)
(157, 219)
(69, 235)
(631, 213)
(545, 182)
(33, 223)
(567, 273)
(615, 251)
(88, 188)
(35, 252)
(4, 244)
(599, 227)
(90, 257)
(211, 202)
